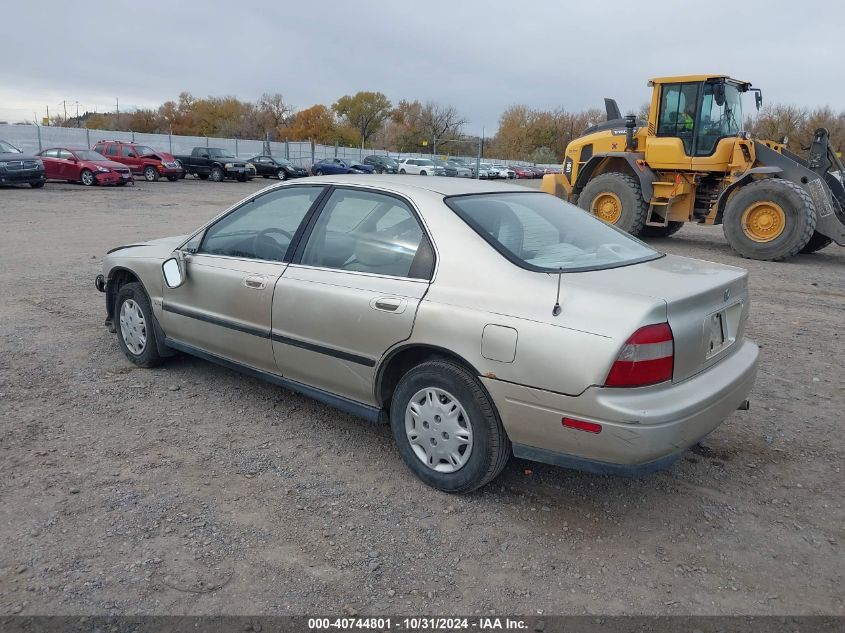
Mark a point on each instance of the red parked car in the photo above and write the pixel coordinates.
(83, 165)
(142, 160)
(522, 172)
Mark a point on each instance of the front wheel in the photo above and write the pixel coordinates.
(319, 172)
(217, 174)
(173, 178)
(769, 219)
(282, 174)
(422, 173)
(37, 185)
(446, 428)
(87, 178)
(402, 171)
(150, 174)
(135, 331)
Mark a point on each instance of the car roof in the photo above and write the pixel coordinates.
(444, 186)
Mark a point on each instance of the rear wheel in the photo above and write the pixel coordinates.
(37, 185)
(202, 176)
(173, 178)
(816, 243)
(662, 231)
(617, 199)
(769, 219)
(86, 177)
(446, 428)
(217, 174)
(150, 173)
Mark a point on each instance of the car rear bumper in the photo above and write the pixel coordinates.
(642, 429)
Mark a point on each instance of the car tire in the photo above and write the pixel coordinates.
(662, 231)
(136, 335)
(37, 185)
(452, 386)
(243, 178)
(202, 176)
(217, 174)
(422, 173)
(769, 220)
(402, 171)
(173, 178)
(282, 174)
(319, 172)
(816, 243)
(150, 174)
(617, 199)
(86, 177)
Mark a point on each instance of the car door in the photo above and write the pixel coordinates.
(129, 157)
(48, 157)
(68, 167)
(351, 292)
(224, 306)
(113, 153)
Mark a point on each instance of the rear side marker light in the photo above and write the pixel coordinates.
(580, 425)
(647, 358)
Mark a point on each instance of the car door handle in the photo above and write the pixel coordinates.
(256, 282)
(388, 304)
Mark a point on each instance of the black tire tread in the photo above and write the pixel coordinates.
(640, 214)
(499, 449)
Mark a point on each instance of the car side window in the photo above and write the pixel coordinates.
(369, 232)
(64, 154)
(51, 153)
(127, 152)
(111, 150)
(263, 228)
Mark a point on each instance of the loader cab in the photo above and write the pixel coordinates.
(695, 121)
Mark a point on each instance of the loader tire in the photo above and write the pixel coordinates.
(662, 231)
(770, 220)
(816, 243)
(617, 199)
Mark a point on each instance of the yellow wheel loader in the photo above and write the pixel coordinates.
(691, 162)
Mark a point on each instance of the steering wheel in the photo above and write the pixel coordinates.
(266, 233)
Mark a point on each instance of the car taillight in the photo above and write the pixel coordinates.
(648, 357)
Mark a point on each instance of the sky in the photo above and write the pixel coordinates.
(480, 56)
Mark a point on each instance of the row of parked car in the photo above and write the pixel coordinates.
(119, 162)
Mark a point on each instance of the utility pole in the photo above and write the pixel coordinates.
(48, 115)
(77, 114)
(117, 106)
(64, 107)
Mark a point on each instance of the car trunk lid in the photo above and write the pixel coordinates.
(706, 305)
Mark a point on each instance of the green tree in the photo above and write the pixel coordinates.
(364, 111)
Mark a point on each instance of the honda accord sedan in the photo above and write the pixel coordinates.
(479, 320)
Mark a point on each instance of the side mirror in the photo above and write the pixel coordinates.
(719, 94)
(174, 272)
(758, 99)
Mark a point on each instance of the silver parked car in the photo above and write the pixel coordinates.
(480, 319)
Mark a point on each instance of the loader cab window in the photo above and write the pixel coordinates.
(678, 112)
(718, 120)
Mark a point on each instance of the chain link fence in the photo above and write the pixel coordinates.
(34, 138)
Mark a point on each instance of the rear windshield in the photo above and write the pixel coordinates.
(541, 232)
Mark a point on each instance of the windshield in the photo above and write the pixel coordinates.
(9, 148)
(87, 154)
(540, 232)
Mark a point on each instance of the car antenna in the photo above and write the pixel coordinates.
(557, 310)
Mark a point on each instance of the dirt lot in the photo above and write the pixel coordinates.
(190, 489)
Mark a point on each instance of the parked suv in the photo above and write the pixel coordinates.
(142, 160)
(17, 168)
(421, 166)
(382, 164)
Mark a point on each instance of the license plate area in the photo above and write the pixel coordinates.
(720, 329)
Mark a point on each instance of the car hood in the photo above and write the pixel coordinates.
(106, 163)
(16, 156)
(162, 156)
(161, 247)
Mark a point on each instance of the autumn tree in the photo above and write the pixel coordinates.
(316, 123)
(274, 112)
(366, 112)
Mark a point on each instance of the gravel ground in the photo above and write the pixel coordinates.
(190, 489)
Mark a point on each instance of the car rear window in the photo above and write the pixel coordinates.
(543, 233)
